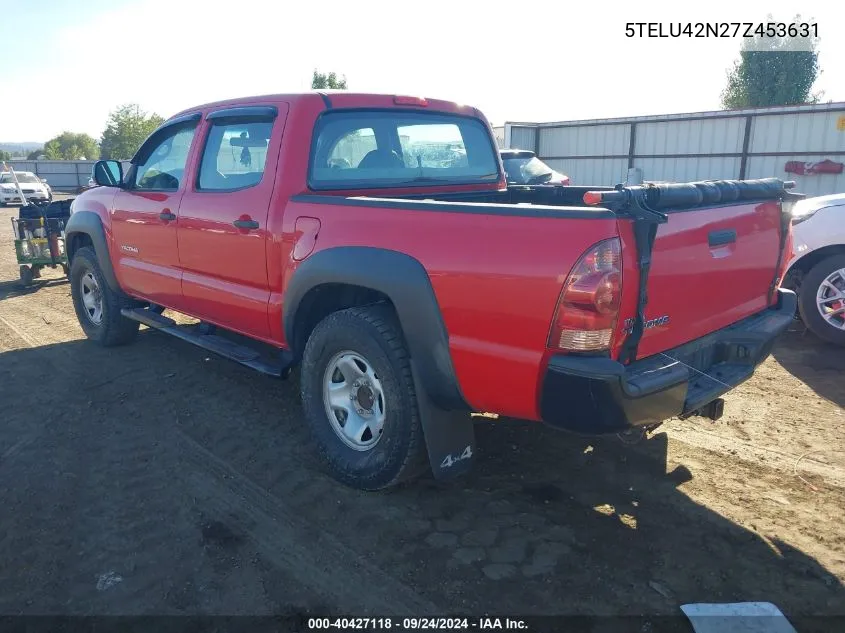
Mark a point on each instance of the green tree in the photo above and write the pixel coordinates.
(773, 71)
(71, 146)
(4, 155)
(328, 81)
(34, 154)
(127, 127)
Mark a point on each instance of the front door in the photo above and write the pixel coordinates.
(144, 216)
(223, 219)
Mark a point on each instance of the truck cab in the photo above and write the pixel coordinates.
(373, 241)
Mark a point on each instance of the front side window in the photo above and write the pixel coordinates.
(164, 166)
(394, 148)
(235, 155)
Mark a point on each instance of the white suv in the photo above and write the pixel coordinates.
(817, 269)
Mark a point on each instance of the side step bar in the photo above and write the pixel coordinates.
(213, 343)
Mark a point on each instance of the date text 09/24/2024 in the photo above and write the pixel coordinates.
(422, 624)
(721, 29)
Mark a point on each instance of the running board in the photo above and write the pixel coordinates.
(213, 343)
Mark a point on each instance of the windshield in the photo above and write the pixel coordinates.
(392, 148)
(6, 178)
(527, 171)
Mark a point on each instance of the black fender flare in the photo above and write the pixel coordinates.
(406, 283)
(89, 223)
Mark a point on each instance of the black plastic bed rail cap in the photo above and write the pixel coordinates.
(706, 192)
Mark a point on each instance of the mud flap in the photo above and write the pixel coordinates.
(449, 435)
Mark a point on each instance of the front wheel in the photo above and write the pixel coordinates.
(359, 399)
(822, 299)
(97, 305)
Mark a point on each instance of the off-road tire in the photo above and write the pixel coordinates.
(114, 328)
(807, 300)
(374, 333)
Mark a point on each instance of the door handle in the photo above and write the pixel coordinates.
(720, 238)
(246, 224)
(166, 215)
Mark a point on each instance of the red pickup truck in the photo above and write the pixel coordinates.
(373, 240)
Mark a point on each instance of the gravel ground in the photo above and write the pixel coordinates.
(156, 479)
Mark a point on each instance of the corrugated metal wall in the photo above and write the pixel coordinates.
(60, 174)
(753, 143)
(522, 137)
(593, 140)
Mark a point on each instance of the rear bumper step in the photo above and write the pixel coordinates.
(600, 395)
(213, 343)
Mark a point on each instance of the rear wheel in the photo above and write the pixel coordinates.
(822, 299)
(97, 305)
(359, 399)
(26, 275)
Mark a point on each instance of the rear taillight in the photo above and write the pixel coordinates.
(589, 302)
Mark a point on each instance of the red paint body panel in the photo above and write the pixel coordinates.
(225, 267)
(497, 278)
(145, 255)
(703, 289)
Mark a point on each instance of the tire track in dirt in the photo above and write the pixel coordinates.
(133, 468)
(319, 560)
(830, 465)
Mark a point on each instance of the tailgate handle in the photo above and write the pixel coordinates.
(720, 238)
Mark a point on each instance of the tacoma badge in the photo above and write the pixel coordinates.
(650, 323)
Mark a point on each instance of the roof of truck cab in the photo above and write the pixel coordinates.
(336, 99)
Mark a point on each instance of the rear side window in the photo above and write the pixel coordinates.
(235, 155)
(394, 148)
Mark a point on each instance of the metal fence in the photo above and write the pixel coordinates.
(753, 143)
(61, 175)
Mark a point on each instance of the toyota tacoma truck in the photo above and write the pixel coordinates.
(373, 241)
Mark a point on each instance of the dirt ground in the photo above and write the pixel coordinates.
(156, 479)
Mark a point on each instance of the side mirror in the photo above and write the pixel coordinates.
(108, 173)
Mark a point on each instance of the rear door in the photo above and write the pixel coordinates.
(710, 268)
(144, 214)
(222, 230)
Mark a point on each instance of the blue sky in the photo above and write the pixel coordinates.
(67, 63)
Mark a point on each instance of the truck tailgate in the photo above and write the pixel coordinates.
(710, 267)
